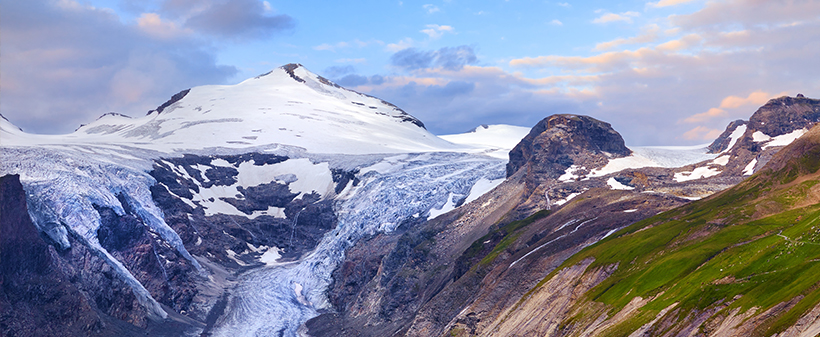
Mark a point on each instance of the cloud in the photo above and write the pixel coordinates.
(437, 31)
(456, 106)
(612, 17)
(65, 64)
(648, 34)
(667, 3)
(352, 80)
(564, 4)
(749, 13)
(756, 98)
(402, 44)
(238, 19)
(153, 25)
(430, 8)
(450, 58)
(653, 93)
(336, 71)
(556, 23)
(680, 44)
(701, 133)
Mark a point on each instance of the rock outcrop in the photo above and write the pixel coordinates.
(559, 141)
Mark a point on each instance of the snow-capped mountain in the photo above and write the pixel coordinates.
(288, 106)
(227, 208)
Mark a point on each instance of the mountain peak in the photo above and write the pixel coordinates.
(559, 141)
(784, 114)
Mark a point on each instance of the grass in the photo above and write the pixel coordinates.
(717, 250)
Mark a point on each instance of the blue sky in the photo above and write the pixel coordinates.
(667, 72)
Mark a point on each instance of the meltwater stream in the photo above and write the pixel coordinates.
(277, 300)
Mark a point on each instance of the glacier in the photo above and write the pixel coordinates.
(404, 173)
(277, 300)
(64, 183)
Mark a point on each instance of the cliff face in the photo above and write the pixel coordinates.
(37, 296)
(559, 141)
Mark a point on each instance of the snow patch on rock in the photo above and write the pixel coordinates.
(697, 173)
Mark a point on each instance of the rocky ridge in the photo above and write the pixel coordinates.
(501, 248)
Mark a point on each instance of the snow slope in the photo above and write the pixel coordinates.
(290, 106)
(492, 140)
(405, 171)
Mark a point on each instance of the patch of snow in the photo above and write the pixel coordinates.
(750, 168)
(493, 140)
(569, 173)
(232, 256)
(567, 199)
(759, 136)
(655, 156)
(736, 134)
(616, 185)
(697, 173)
(786, 139)
(448, 206)
(481, 187)
(276, 212)
(722, 160)
(689, 198)
(631, 210)
(271, 256)
(610, 232)
(386, 165)
(221, 162)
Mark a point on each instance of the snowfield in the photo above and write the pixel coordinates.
(405, 172)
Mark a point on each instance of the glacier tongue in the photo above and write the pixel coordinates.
(64, 184)
(278, 300)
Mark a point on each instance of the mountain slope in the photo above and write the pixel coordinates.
(180, 219)
(288, 106)
(745, 255)
(464, 272)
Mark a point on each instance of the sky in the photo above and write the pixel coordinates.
(666, 72)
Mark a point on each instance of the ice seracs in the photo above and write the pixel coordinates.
(317, 129)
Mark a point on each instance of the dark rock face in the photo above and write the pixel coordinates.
(721, 143)
(46, 292)
(175, 98)
(784, 114)
(559, 141)
(168, 276)
(33, 297)
(777, 117)
(41, 294)
(306, 220)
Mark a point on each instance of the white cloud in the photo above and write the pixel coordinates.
(667, 3)
(556, 23)
(648, 34)
(152, 24)
(430, 8)
(564, 4)
(402, 44)
(72, 63)
(436, 31)
(612, 17)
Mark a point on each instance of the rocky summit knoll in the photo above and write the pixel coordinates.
(560, 141)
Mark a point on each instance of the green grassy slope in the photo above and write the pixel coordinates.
(753, 246)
